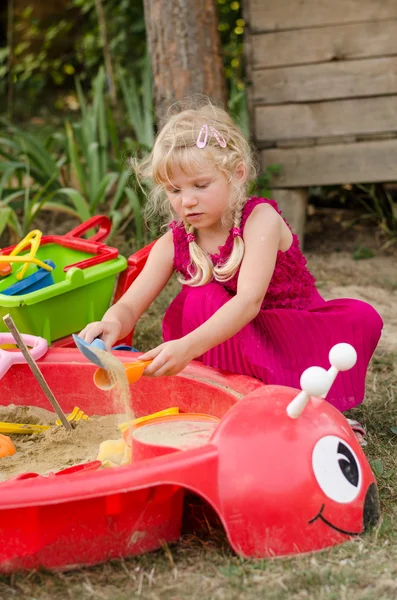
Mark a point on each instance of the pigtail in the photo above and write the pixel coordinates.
(200, 269)
(227, 270)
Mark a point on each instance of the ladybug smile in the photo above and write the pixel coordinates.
(371, 513)
(324, 520)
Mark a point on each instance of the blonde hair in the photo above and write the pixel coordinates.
(175, 147)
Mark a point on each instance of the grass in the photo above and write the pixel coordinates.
(201, 566)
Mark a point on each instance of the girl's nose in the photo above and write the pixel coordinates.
(188, 199)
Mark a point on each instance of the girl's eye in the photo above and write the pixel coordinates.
(174, 191)
(202, 185)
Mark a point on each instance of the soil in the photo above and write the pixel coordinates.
(349, 261)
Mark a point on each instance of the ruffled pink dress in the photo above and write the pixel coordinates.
(295, 328)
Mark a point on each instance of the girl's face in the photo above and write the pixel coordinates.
(200, 200)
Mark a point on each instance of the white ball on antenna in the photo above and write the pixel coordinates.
(315, 381)
(343, 357)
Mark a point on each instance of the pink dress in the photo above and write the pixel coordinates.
(295, 328)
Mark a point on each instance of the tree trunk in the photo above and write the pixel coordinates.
(185, 50)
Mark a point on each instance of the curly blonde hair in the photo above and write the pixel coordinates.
(175, 147)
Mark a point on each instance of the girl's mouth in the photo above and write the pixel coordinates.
(193, 216)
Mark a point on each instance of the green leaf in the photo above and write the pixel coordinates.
(93, 171)
(101, 192)
(9, 169)
(136, 208)
(75, 159)
(123, 181)
(394, 430)
(377, 466)
(5, 214)
(12, 197)
(79, 202)
(63, 209)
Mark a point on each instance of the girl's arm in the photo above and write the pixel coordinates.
(262, 236)
(120, 318)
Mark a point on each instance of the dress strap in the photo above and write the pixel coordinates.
(252, 203)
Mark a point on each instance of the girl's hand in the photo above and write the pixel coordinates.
(108, 331)
(168, 359)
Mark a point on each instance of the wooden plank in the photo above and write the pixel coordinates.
(336, 42)
(326, 81)
(293, 204)
(322, 119)
(247, 47)
(337, 164)
(268, 15)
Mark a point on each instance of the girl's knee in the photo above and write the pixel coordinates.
(201, 303)
(369, 315)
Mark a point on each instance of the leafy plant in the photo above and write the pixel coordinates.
(79, 172)
(30, 176)
(97, 177)
(262, 185)
(139, 105)
(379, 206)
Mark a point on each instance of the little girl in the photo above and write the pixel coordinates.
(248, 302)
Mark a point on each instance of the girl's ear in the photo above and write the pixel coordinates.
(240, 174)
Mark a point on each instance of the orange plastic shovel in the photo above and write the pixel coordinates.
(133, 371)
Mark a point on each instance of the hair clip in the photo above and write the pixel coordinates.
(190, 238)
(219, 138)
(236, 232)
(202, 137)
(201, 143)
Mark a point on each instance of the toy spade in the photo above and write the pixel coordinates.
(93, 352)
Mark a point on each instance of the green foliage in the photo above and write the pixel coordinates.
(126, 33)
(139, 105)
(30, 172)
(262, 185)
(362, 253)
(37, 64)
(379, 206)
(231, 27)
(80, 172)
(50, 51)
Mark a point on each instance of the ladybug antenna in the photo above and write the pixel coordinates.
(316, 381)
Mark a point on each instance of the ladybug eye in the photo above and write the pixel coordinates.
(337, 469)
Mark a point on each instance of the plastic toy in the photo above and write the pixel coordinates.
(7, 447)
(285, 476)
(84, 282)
(26, 428)
(133, 370)
(32, 239)
(8, 358)
(36, 281)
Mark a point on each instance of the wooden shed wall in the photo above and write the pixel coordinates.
(323, 94)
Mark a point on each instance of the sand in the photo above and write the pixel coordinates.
(176, 434)
(55, 449)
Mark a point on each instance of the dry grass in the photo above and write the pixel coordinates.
(202, 566)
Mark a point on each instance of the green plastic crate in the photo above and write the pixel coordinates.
(76, 298)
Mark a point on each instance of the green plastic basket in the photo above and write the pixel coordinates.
(77, 296)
